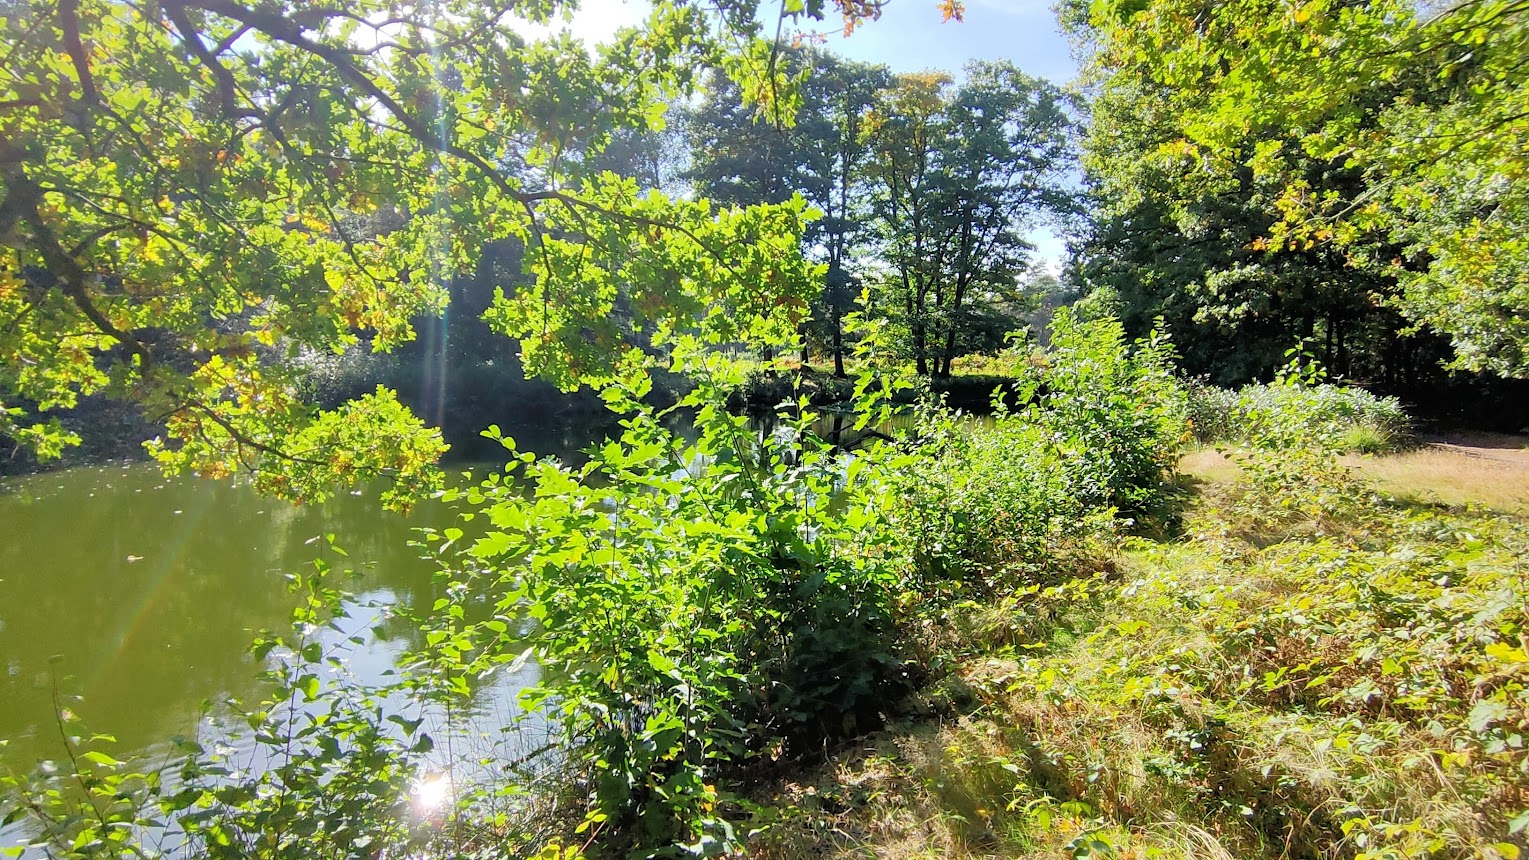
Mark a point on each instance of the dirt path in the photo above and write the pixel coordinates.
(1512, 450)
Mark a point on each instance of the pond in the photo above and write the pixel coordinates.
(140, 595)
(132, 599)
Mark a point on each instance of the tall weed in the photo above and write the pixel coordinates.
(1100, 433)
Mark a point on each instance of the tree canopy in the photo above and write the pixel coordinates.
(1358, 159)
(740, 155)
(960, 172)
(193, 190)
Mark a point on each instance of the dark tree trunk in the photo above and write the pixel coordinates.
(838, 343)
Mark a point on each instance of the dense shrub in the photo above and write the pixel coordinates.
(697, 605)
(1349, 417)
(702, 605)
(1100, 431)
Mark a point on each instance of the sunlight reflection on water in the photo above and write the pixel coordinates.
(432, 794)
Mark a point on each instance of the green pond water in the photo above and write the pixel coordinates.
(132, 598)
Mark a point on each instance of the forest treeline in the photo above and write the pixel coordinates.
(924, 190)
(1376, 223)
(1239, 244)
(1349, 175)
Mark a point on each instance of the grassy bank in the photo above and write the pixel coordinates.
(1332, 669)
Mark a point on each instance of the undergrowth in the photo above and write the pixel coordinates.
(1351, 419)
(1019, 638)
(1305, 670)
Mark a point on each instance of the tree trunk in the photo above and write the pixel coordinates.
(913, 306)
(963, 279)
(838, 343)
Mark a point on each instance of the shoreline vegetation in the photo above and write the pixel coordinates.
(1189, 588)
(1091, 626)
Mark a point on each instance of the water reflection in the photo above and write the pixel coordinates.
(141, 595)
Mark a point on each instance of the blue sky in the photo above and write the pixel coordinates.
(910, 37)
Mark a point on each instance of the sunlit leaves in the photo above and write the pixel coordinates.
(670, 266)
(1380, 127)
(201, 185)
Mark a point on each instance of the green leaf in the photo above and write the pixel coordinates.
(309, 686)
(660, 662)
(1486, 713)
(100, 758)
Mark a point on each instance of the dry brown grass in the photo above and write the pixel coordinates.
(1208, 465)
(1079, 715)
(1456, 472)
(1479, 469)
(953, 790)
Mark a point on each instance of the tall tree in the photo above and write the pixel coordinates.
(742, 155)
(1420, 110)
(1177, 238)
(848, 92)
(960, 173)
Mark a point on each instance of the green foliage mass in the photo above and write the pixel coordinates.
(1351, 418)
(195, 192)
(959, 174)
(191, 192)
(1273, 164)
(704, 606)
(741, 154)
(1098, 434)
(1302, 668)
(698, 607)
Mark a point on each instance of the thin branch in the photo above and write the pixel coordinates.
(228, 88)
(71, 275)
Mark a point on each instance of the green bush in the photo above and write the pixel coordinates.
(1100, 432)
(1289, 434)
(1353, 418)
(697, 605)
